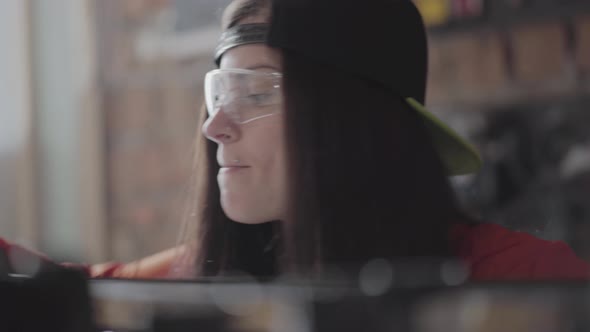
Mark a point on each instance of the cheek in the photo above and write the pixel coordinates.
(270, 149)
(259, 194)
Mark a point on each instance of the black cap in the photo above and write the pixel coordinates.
(380, 40)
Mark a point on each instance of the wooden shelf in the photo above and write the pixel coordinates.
(518, 98)
(498, 20)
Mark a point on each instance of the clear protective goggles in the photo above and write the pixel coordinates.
(243, 95)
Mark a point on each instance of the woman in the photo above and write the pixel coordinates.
(316, 151)
(320, 153)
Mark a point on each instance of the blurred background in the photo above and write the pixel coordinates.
(99, 103)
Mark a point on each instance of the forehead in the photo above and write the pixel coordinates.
(252, 56)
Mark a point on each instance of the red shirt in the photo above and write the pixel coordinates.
(491, 251)
(496, 253)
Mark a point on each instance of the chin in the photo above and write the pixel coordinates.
(245, 215)
(249, 221)
(244, 218)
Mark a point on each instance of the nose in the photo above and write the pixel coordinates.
(220, 129)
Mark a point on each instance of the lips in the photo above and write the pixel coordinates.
(232, 169)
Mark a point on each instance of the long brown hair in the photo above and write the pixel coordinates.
(365, 180)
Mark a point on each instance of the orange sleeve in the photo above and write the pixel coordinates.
(20, 260)
(25, 261)
(157, 266)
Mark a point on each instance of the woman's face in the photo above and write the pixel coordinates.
(252, 178)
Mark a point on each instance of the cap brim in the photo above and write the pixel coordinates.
(458, 156)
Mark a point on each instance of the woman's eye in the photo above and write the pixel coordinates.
(259, 98)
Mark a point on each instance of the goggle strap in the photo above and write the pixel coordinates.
(255, 33)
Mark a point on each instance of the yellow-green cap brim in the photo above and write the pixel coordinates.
(458, 156)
